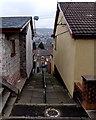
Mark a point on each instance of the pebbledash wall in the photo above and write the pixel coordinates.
(20, 65)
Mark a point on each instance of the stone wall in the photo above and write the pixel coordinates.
(26, 62)
(10, 65)
(20, 64)
(1, 57)
(22, 38)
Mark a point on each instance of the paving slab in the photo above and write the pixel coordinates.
(33, 92)
(34, 102)
(37, 94)
(51, 95)
(25, 97)
(37, 100)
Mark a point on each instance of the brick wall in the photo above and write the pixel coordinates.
(10, 65)
(26, 52)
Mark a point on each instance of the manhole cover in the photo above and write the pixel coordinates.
(51, 112)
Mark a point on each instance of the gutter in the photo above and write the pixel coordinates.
(4, 30)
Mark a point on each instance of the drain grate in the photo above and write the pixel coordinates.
(51, 112)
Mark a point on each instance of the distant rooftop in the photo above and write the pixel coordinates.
(13, 22)
(81, 17)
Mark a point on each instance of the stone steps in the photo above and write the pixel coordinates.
(4, 98)
(8, 96)
(9, 106)
(45, 118)
(39, 110)
(1, 90)
(29, 107)
(92, 114)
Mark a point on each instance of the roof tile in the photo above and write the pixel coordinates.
(81, 17)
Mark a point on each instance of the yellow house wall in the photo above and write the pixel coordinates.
(84, 59)
(72, 58)
(64, 56)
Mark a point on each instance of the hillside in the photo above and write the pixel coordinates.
(44, 35)
(44, 31)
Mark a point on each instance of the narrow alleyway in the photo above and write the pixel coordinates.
(45, 98)
(34, 91)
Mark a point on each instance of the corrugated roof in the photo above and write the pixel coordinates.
(81, 17)
(13, 22)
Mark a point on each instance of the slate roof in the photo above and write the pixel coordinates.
(13, 22)
(81, 18)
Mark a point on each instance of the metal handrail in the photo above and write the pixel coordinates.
(44, 85)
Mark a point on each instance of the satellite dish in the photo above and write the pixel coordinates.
(36, 17)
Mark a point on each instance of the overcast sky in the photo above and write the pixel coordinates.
(45, 9)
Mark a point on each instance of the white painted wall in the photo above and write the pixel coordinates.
(29, 55)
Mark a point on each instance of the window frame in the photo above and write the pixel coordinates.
(13, 51)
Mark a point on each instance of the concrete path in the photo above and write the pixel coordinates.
(32, 103)
(34, 93)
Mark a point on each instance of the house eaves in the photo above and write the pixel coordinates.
(65, 19)
(14, 24)
(56, 19)
(79, 17)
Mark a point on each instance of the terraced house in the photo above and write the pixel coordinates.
(15, 48)
(16, 34)
(75, 47)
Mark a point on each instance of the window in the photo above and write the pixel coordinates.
(13, 53)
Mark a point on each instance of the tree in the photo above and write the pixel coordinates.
(41, 45)
(34, 46)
